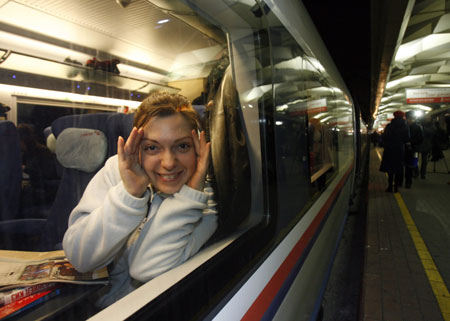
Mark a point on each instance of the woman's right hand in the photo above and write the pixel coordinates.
(134, 177)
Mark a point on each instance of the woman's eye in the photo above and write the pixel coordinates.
(184, 146)
(150, 148)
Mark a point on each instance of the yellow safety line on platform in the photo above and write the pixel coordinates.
(437, 283)
(378, 153)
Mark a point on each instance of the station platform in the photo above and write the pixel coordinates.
(406, 273)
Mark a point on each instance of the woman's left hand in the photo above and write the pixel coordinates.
(202, 150)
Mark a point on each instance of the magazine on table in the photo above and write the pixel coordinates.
(25, 303)
(22, 269)
(16, 294)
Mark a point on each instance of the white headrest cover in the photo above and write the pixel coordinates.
(81, 148)
(51, 143)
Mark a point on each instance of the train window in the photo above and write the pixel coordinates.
(309, 112)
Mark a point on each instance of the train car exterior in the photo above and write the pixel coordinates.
(283, 128)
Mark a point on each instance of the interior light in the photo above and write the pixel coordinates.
(418, 113)
(325, 119)
(421, 107)
(282, 107)
(320, 115)
(163, 21)
(257, 92)
(408, 80)
(39, 48)
(413, 48)
(65, 96)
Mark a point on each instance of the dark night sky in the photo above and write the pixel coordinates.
(345, 28)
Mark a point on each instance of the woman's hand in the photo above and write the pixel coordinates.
(202, 150)
(134, 178)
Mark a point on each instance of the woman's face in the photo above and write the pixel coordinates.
(167, 153)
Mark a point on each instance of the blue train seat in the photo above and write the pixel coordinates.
(74, 178)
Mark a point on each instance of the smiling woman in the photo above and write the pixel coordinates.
(150, 212)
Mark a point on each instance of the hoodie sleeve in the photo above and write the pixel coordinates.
(182, 223)
(103, 220)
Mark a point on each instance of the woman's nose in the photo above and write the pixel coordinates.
(168, 160)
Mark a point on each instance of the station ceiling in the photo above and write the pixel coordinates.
(384, 47)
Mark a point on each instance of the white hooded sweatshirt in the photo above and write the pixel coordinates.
(139, 238)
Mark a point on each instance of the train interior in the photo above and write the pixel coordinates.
(69, 69)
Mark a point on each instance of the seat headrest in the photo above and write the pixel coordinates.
(81, 148)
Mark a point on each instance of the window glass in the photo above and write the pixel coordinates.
(246, 27)
(310, 116)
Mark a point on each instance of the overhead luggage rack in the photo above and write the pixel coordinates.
(22, 62)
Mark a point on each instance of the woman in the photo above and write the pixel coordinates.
(146, 211)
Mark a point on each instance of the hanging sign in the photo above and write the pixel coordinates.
(427, 95)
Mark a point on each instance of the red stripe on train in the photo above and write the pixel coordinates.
(262, 302)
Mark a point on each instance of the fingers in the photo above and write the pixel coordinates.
(134, 140)
(196, 141)
(199, 143)
(205, 156)
(198, 179)
(203, 151)
(120, 146)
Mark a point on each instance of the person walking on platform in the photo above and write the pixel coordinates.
(411, 152)
(395, 136)
(425, 148)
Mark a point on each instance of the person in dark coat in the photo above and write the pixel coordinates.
(425, 147)
(395, 136)
(415, 139)
(440, 142)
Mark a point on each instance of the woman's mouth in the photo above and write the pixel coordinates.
(169, 177)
